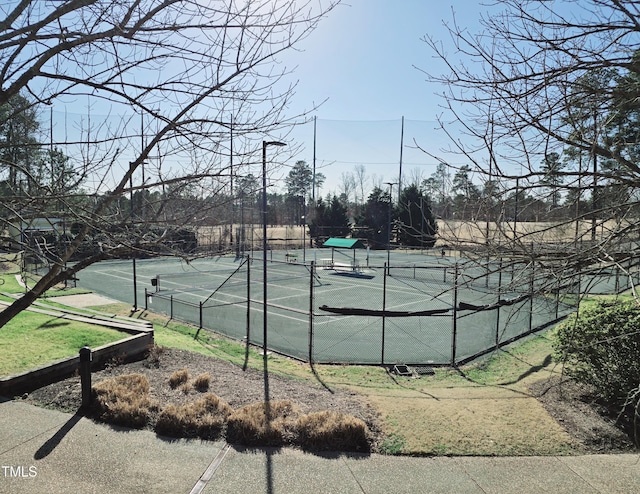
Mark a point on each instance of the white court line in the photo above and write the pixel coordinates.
(257, 307)
(345, 285)
(110, 273)
(368, 286)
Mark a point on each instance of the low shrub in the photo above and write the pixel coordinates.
(178, 377)
(601, 347)
(332, 431)
(270, 423)
(123, 400)
(203, 418)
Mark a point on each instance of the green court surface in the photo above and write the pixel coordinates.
(346, 310)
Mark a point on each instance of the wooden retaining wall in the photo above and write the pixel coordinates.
(127, 349)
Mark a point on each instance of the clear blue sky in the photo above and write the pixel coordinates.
(364, 60)
(362, 57)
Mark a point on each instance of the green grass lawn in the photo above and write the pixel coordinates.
(31, 340)
(9, 284)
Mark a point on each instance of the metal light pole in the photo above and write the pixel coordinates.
(390, 184)
(265, 144)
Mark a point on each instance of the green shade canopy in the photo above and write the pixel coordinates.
(344, 243)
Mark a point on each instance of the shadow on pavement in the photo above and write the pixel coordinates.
(53, 442)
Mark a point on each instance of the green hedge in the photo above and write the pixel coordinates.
(600, 346)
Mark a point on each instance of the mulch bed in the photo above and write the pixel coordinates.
(230, 382)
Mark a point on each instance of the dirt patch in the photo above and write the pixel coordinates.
(592, 425)
(230, 382)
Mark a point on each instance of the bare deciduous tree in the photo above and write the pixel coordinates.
(542, 78)
(361, 179)
(346, 187)
(188, 73)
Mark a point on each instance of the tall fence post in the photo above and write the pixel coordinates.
(579, 292)
(146, 299)
(498, 309)
(384, 308)
(454, 329)
(531, 288)
(311, 299)
(248, 317)
(248, 322)
(171, 307)
(199, 320)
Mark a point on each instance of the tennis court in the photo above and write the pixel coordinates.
(347, 307)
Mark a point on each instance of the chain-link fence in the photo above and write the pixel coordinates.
(418, 314)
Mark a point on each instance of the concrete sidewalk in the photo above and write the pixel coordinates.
(83, 300)
(45, 451)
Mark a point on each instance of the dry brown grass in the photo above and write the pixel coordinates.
(203, 418)
(271, 423)
(332, 431)
(453, 231)
(178, 377)
(202, 382)
(123, 400)
(470, 421)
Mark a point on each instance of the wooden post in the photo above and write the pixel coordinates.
(85, 376)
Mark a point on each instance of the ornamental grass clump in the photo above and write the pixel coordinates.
(270, 423)
(202, 382)
(179, 377)
(123, 400)
(332, 431)
(204, 418)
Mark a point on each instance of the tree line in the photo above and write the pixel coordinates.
(378, 219)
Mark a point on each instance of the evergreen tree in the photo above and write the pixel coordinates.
(416, 223)
(551, 177)
(375, 219)
(19, 148)
(329, 220)
(299, 182)
(467, 195)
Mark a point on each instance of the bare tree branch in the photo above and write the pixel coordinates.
(191, 71)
